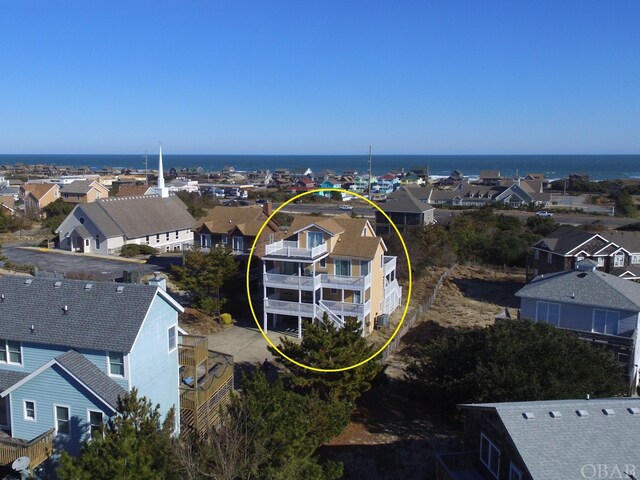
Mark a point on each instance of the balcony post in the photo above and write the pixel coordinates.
(299, 327)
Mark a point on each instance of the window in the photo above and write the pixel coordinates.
(172, 338)
(489, 455)
(158, 238)
(4, 411)
(549, 257)
(116, 364)
(357, 297)
(601, 261)
(618, 260)
(536, 254)
(10, 352)
(635, 259)
(514, 472)
(238, 244)
(147, 239)
(314, 239)
(167, 237)
(62, 420)
(548, 312)
(97, 242)
(343, 267)
(364, 268)
(94, 419)
(177, 234)
(323, 262)
(334, 291)
(81, 220)
(605, 321)
(86, 242)
(30, 410)
(225, 240)
(272, 238)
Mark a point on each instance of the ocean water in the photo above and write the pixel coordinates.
(599, 167)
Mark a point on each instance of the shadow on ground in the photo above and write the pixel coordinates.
(500, 292)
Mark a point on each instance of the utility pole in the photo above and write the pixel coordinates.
(369, 172)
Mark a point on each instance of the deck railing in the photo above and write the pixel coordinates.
(285, 248)
(192, 350)
(38, 449)
(289, 308)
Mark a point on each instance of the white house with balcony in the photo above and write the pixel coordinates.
(335, 266)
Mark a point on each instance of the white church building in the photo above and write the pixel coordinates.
(159, 220)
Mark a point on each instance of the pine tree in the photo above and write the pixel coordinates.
(133, 444)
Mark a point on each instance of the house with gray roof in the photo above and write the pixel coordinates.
(601, 308)
(614, 252)
(83, 191)
(407, 207)
(547, 440)
(106, 225)
(69, 349)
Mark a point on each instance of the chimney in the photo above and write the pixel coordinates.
(158, 281)
(267, 208)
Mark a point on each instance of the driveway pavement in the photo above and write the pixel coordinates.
(99, 267)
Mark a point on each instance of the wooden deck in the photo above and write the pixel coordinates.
(38, 449)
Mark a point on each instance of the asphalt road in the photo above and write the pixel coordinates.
(78, 264)
(443, 215)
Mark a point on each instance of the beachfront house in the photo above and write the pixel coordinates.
(551, 439)
(336, 267)
(601, 308)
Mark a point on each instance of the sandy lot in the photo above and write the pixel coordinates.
(392, 435)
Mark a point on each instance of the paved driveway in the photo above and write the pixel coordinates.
(100, 268)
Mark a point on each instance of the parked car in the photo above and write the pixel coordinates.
(345, 207)
(544, 213)
(261, 200)
(243, 203)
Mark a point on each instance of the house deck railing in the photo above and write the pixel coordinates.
(389, 264)
(286, 248)
(192, 350)
(448, 464)
(297, 282)
(193, 398)
(284, 307)
(340, 281)
(38, 449)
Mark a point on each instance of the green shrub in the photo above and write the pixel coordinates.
(133, 250)
(226, 319)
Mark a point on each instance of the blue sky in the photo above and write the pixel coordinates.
(320, 77)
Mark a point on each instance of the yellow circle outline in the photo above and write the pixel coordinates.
(406, 308)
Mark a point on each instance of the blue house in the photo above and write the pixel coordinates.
(69, 349)
(601, 308)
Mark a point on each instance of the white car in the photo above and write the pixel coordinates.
(345, 207)
(544, 213)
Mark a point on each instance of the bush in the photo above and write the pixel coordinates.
(133, 250)
(226, 319)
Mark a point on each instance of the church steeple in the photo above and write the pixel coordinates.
(161, 189)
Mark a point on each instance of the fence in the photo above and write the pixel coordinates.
(422, 308)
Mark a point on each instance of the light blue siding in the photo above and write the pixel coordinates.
(580, 317)
(54, 386)
(35, 355)
(153, 370)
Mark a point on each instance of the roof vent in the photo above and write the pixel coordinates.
(57, 284)
(2, 298)
(582, 413)
(633, 410)
(88, 286)
(28, 281)
(119, 288)
(528, 415)
(555, 414)
(65, 310)
(608, 411)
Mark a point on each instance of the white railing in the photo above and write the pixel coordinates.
(351, 283)
(337, 321)
(389, 264)
(289, 308)
(278, 280)
(345, 309)
(285, 248)
(392, 297)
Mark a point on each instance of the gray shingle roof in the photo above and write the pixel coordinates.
(9, 378)
(630, 241)
(97, 381)
(78, 186)
(147, 215)
(97, 318)
(565, 239)
(101, 219)
(595, 288)
(82, 231)
(561, 447)
(403, 201)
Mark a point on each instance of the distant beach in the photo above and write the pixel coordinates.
(599, 167)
